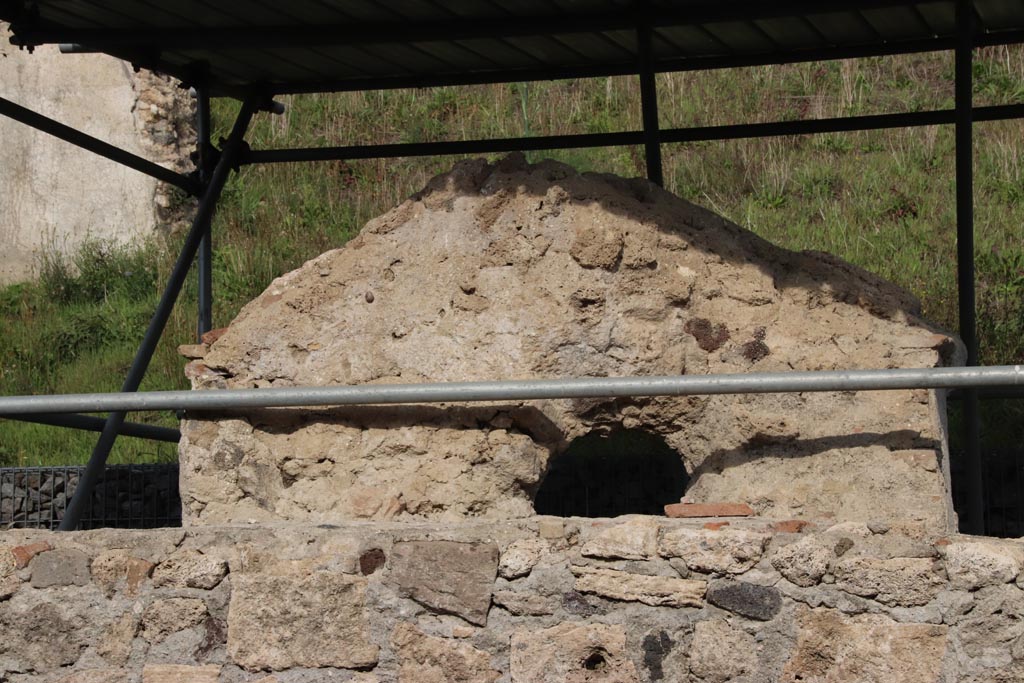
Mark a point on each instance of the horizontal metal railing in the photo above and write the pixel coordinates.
(523, 390)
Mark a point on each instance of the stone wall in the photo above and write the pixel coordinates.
(512, 270)
(57, 195)
(540, 599)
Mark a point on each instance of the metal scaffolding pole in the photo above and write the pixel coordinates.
(649, 104)
(524, 390)
(965, 258)
(204, 161)
(91, 423)
(200, 225)
(96, 146)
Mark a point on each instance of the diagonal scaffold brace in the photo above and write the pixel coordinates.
(200, 228)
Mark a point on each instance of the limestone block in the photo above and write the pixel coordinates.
(833, 648)
(975, 563)
(721, 653)
(803, 562)
(170, 615)
(746, 599)
(635, 539)
(524, 604)
(901, 581)
(42, 636)
(301, 620)
(112, 567)
(62, 567)
(993, 631)
(447, 576)
(520, 557)
(650, 590)
(727, 550)
(95, 676)
(572, 652)
(190, 569)
(115, 645)
(176, 673)
(7, 561)
(426, 659)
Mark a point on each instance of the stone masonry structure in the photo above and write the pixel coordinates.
(525, 601)
(513, 271)
(55, 195)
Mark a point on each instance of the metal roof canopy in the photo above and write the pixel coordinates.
(254, 49)
(331, 45)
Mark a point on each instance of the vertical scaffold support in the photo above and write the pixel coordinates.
(204, 162)
(964, 135)
(649, 102)
(200, 226)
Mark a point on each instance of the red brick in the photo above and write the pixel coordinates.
(942, 541)
(23, 554)
(715, 526)
(789, 526)
(213, 335)
(708, 510)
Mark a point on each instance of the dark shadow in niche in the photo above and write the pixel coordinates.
(628, 471)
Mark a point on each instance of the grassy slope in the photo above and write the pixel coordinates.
(882, 199)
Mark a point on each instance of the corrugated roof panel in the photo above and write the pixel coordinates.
(897, 23)
(1000, 15)
(741, 36)
(840, 28)
(695, 41)
(791, 33)
(441, 39)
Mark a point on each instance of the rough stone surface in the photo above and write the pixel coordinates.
(721, 653)
(635, 539)
(296, 607)
(426, 659)
(115, 646)
(170, 615)
(540, 272)
(62, 567)
(973, 565)
(746, 599)
(650, 590)
(803, 562)
(832, 648)
(311, 620)
(572, 653)
(178, 673)
(708, 510)
(727, 550)
(64, 195)
(520, 557)
(896, 581)
(119, 569)
(190, 569)
(452, 578)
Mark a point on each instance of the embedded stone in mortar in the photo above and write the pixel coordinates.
(511, 270)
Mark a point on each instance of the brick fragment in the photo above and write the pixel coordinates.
(715, 526)
(210, 337)
(790, 526)
(23, 554)
(708, 510)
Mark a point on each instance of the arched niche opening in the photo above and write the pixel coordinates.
(628, 471)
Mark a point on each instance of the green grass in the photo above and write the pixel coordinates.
(881, 199)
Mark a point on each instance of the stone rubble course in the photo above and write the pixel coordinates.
(513, 271)
(296, 605)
